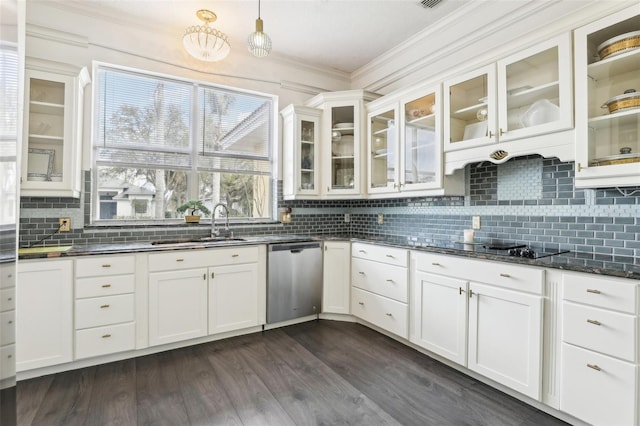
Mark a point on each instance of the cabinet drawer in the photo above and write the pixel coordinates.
(7, 275)
(604, 331)
(101, 266)
(8, 299)
(7, 361)
(601, 397)
(7, 327)
(105, 340)
(386, 280)
(513, 277)
(104, 286)
(391, 255)
(610, 293)
(173, 260)
(100, 311)
(388, 314)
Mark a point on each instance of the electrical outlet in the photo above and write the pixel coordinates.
(65, 224)
(380, 218)
(347, 217)
(475, 222)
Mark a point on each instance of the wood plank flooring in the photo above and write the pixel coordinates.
(315, 373)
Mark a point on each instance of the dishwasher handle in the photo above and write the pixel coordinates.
(294, 247)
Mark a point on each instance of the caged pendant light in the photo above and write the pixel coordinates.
(204, 42)
(259, 42)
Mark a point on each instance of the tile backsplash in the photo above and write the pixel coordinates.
(529, 200)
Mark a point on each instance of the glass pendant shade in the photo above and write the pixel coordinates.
(204, 42)
(259, 42)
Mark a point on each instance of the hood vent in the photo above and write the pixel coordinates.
(429, 3)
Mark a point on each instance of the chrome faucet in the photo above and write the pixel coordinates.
(214, 231)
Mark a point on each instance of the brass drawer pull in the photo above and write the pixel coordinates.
(106, 285)
(106, 336)
(505, 275)
(235, 255)
(104, 306)
(593, 290)
(179, 260)
(594, 366)
(106, 265)
(594, 322)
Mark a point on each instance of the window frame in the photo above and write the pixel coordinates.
(193, 150)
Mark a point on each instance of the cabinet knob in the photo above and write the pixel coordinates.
(106, 336)
(235, 255)
(594, 366)
(579, 167)
(470, 294)
(104, 306)
(391, 256)
(361, 273)
(460, 290)
(390, 281)
(505, 275)
(501, 131)
(435, 263)
(594, 322)
(388, 314)
(361, 303)
(106, 265)
(362, 251)
(491, 135)
(179, 260)
(106, 285)
(593, 290)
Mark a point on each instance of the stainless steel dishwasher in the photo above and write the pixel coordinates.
(294, 284)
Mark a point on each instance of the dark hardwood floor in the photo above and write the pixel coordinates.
(315, 373)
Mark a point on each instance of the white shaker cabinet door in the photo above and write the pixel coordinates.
(336, 277)
(505, 337)
(233, 297)
(177, 305)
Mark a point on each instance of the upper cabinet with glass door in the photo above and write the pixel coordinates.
(383, 170)
(342, 136)
(526, 97)
(52, 148)
(301, 152)
(607, 62)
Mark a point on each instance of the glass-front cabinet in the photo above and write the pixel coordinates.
(52, 148)
(607, 62)
(383, 176)
(523, 98)
(301, 152)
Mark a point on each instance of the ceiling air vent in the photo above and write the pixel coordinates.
(429, 3)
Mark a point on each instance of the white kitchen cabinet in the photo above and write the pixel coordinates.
(483, 315)
(336, 276)
(177, 305)
(600, 365)
(342, 133)
(301, 152)
(233, 297)
(7, 323)
(607, 143)
(202, 292)
(404, 148)
(379, 286)
(52, 148)
(44, 313)
(526, 97)
(439, 315)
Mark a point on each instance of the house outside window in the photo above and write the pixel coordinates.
(161, 141)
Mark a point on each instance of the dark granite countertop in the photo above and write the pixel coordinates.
(609, 265)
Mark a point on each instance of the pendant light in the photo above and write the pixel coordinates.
(259, 42)
(204, 42)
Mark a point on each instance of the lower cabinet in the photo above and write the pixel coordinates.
(483, 315)
(196, 293)
(177, 305)
(44, 323)
(336, 273)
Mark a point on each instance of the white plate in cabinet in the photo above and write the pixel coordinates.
(107, 310)
(387, 314)
(105, 340)
(104, 286)
(611, 333)
(597, 388)
(604, 292)
(386, 280)
(390, 255)
(100, 266)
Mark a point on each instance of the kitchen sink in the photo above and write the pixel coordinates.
(196, 240)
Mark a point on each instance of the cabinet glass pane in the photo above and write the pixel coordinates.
(45, 130)
(420, 148)
(614, 116)
(383, 146)
(533, 90)
(342, 147)
(307, 164)
(469, 111)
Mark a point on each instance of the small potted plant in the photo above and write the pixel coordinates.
(193, 206)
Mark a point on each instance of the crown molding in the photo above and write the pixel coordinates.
(58, 36)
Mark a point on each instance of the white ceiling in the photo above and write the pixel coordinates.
(340, 34)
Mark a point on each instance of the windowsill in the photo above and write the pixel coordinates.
(178, 223)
